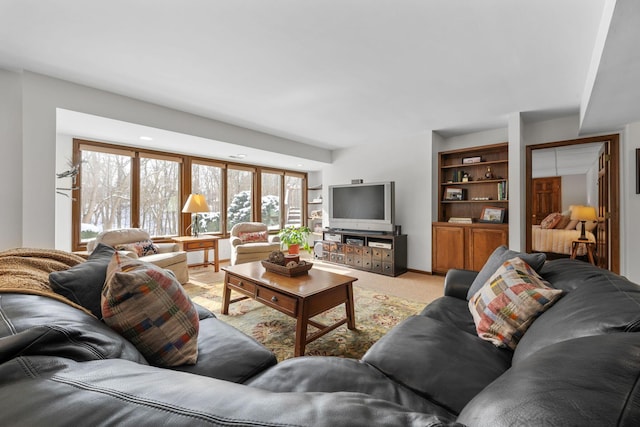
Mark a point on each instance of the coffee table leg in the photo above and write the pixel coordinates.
(351, 317)
(301, 331)
(226, 297)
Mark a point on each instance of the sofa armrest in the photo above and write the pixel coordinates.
(274, 238)
(457, 282)
(235, 240)
(165, 248)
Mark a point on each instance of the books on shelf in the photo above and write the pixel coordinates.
(503, 190)
(460, 220)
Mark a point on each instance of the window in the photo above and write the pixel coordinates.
(159, 196)
(271, 184)
(239, 196)
(206, 179)
(293, 199)
(105, 191)
(122, 187)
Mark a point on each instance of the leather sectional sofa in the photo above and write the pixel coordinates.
(577, 364)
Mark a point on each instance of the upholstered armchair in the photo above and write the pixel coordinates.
(250, 241)
(136, 243)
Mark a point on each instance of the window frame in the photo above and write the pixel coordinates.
(185, 185)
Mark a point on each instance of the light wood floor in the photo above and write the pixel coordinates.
(412, 286)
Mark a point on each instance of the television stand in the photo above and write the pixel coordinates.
(376, 251)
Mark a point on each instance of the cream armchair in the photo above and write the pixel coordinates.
(168, 255)
(250, 241)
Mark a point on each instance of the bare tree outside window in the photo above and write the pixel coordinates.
(207, 180)
(271, 191)
(105, 195)
(239, 188)
(293, 200)
(159, 196)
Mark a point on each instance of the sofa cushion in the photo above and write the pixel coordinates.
(38, 325)
(595, 302)
(83, 283)
(442, 363)
(496, 259)
(451, 311)
(257, 247)
(336, 374)
(228, 354)
(585, 381)
(509, 302)
(149, 307)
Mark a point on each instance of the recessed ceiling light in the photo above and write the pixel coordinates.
(238, 156)
(146, 138)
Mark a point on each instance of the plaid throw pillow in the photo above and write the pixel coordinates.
(509, 302)
(148, 306)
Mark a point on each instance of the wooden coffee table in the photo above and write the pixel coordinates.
(301, 297)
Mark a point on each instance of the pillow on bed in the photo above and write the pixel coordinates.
(551, 220)
(564, 221)
(572, 224)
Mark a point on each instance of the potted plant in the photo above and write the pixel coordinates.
(295, 237)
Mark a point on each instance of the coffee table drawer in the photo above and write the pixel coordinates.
(241, 286)
(279, 301)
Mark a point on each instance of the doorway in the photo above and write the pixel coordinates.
(608, 203)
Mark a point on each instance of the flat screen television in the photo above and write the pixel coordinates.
(363, 207)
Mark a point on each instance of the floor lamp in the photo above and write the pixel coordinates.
(195, 204)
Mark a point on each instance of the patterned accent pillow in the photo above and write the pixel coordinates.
(148, 306)
(509, 302)
(253, 236)
(551, 220)
(142, 248)
(564, 221)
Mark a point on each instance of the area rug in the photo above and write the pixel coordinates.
(375, 312)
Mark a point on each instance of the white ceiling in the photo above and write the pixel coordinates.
(339, 73)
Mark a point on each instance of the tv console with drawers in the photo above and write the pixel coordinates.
(375, 252)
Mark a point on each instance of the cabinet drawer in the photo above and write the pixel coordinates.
(242, 286)
(190, 246)
(279, 301)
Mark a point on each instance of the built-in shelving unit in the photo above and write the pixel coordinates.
(314, 209)
(473, 206)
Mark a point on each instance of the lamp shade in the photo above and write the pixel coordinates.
(196, 203)
(583, 213)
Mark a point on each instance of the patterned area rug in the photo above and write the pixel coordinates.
(376, 313)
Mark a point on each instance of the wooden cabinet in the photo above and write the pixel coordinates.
(378, 253)
(465, 246)
(472, 182)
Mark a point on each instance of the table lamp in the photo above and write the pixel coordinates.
(583, 214)
(195, 204)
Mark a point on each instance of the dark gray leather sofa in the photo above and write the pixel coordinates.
(577, 365)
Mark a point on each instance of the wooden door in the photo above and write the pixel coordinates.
(604, 208)
(546, 197)
(447, 248)
(481, 244)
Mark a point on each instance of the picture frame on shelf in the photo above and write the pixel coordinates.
(492, 214)
(453, 193)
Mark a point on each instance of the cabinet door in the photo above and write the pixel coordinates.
(482, 242)
(448, 248)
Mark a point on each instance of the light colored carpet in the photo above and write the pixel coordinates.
(376, 310)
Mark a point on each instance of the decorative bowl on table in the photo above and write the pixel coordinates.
(301, 268)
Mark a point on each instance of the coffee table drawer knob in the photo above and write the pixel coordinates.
(274, 298)
(241, 284)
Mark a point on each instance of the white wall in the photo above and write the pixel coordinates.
(10, 160)
(630, 203)
(574, 191)
(33, 100)
(408, 163)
